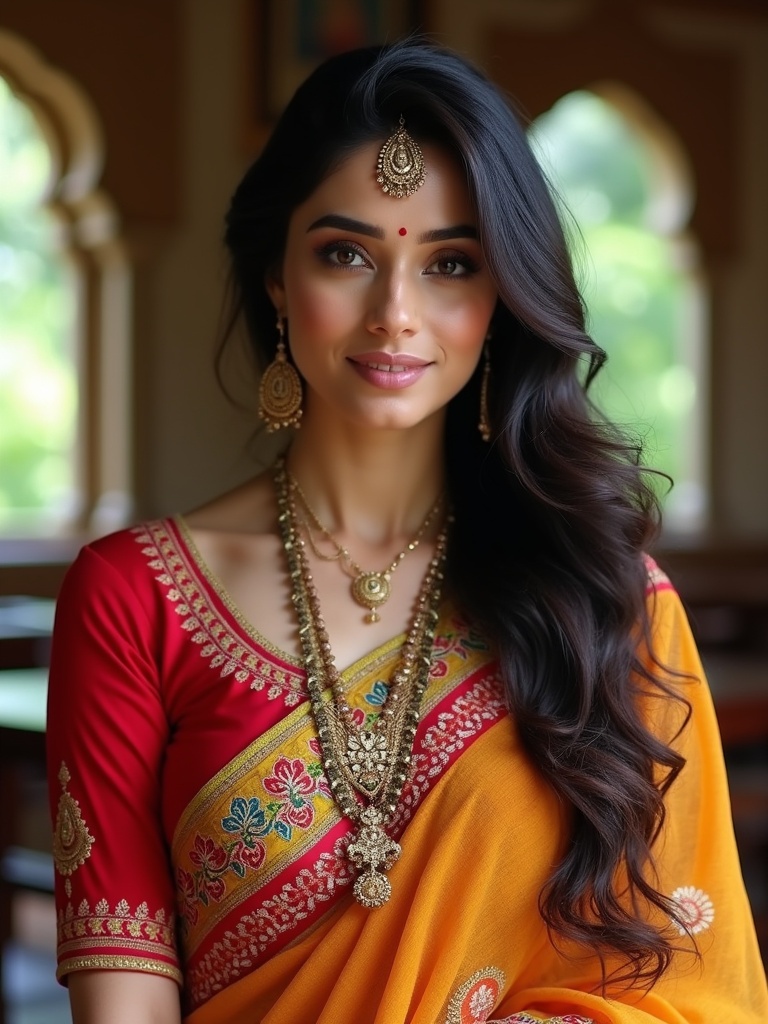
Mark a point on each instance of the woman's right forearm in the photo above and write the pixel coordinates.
(123, 997)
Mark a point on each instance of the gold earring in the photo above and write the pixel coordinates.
(484, 424)
(280, 391)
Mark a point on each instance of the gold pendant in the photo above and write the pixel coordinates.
(371, 589)
(371, 850)
(368, 761)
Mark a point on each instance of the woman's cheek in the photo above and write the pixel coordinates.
(320, 314)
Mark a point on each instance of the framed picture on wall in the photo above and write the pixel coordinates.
(289, 38)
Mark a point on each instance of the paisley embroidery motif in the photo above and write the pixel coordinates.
(72, 841)
(473, 1003)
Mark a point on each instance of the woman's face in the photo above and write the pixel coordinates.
(387, 301)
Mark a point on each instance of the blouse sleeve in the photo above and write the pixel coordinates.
(698, 867)
(107, 731)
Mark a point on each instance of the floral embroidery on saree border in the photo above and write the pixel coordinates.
(285, 806)
(254, 837)
(298, 902)
(226, 651)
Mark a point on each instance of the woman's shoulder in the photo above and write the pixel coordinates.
(131, 550)
(118, 567)
(123, 550)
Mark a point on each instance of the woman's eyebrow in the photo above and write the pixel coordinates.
(335, 220)
(359, 227)
(445, 234)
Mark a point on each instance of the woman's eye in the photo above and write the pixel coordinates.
(448, 267)
(347, 257)
(452, 266)
(343, 256)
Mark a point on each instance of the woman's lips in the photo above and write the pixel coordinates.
(391, 370)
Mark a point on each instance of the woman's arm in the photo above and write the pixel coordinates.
(107, 735)
(123, 997)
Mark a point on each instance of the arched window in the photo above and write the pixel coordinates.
(626, 182)
(38, 378)
(65, 381)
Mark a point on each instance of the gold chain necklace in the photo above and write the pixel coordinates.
(370, 589)
(366, 766)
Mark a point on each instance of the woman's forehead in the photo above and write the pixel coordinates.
(351, 188)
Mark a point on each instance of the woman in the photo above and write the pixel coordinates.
(406, 728)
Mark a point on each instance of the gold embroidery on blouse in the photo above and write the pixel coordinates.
(117, 963)
(82, 928)
(72, 841)
(477, 997)
(178, 571)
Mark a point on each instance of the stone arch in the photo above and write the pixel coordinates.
(90, 237)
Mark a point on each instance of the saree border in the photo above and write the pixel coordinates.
(456, 722)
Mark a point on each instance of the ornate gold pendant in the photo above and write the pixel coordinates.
(368, 761)
(373, 849)
(400, 165)
(371, 589)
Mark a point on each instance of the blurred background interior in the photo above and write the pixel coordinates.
(124, 127)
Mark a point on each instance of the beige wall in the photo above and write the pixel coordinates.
(183, 155)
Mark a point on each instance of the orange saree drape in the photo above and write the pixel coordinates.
(195, 835)
(462, 941)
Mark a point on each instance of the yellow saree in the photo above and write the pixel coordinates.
(276, 937)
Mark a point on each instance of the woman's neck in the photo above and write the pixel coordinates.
(375, 485)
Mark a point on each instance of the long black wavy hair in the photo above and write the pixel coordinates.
(553, 517)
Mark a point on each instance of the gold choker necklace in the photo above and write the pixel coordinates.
(370, 589)
(366, 766)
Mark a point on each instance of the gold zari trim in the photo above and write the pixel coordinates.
(118, 963)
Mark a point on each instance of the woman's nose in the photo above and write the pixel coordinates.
(394, 306)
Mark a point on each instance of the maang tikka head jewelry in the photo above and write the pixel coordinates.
(280, 391)
(400, 164)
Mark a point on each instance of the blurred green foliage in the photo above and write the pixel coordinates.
(38, 385)
(636, 298)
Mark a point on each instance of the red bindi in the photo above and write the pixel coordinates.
(403, 231)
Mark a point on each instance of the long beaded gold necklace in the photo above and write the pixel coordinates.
(369, 588)
(366, 766)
